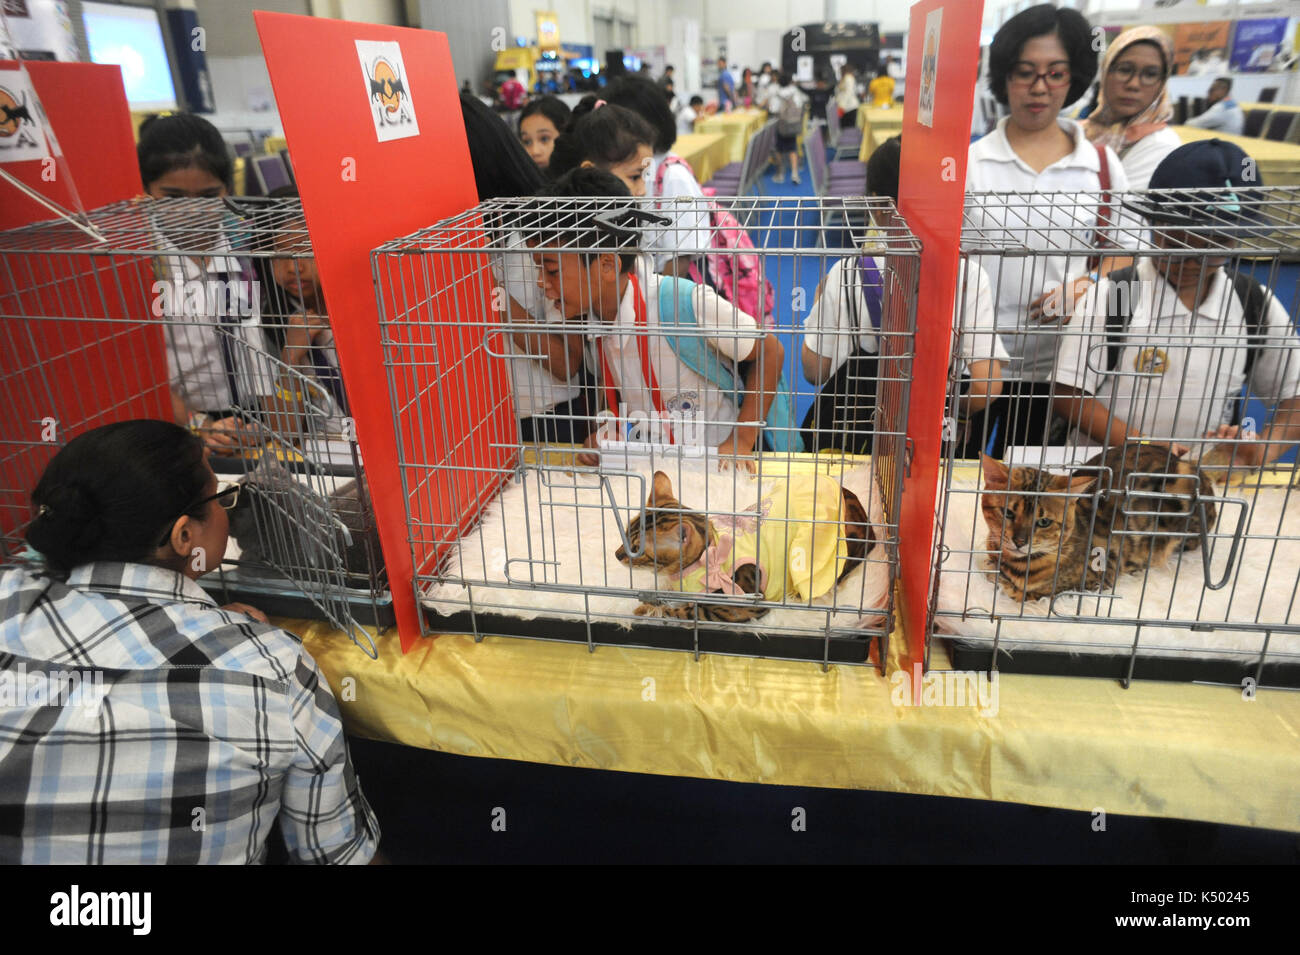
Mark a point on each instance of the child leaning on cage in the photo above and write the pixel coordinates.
(715, 389)
(299, 303)
(548, 371)
(209, 302)
(1165, 347)
(841, 345)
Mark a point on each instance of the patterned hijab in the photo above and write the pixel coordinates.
(1103, 126)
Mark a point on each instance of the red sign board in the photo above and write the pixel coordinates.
(943, 56)
(78, 346)
(373, 122)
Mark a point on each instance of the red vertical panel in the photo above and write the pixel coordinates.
(357, 194)
(77, 346)
(931, 192)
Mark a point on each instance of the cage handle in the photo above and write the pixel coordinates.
(1237, 535)
(608, 492)
(624, 224)
(233, 203)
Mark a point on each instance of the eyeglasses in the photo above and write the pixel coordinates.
(1148, 76)
(227, 494)
(1026, 74)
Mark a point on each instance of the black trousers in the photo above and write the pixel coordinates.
(567, 423)
(1021, 417)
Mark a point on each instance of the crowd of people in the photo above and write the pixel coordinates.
(121, 511)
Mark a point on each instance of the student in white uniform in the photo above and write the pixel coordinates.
(548, 375)
(1039, 60)
(848, 309)
(212, 333)
(1133, 111)
(644, 381)
(667, 177)
(688, 115)
(1175, 371)
(308, 344)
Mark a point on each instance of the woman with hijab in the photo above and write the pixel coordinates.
(1133, 111)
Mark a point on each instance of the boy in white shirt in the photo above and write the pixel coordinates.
(642, 376)
(1173, 372)
(846, 313)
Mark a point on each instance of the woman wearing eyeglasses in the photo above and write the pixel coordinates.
(1041, 59)
(206, 723)
(1133, 110)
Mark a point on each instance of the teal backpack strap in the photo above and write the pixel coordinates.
(676, 309)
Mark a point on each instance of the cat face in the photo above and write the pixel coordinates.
(1021, 522)
(674, 538)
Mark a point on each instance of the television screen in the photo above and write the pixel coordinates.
(131, 38)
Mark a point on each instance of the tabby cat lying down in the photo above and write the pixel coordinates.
(801, 530)
(1041, 546)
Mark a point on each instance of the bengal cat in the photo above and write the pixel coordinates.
(1076, 536)
(678, 538)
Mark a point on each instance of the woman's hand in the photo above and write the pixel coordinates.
(1051, 306)
(247, 611)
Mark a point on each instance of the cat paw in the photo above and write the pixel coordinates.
(650, 610)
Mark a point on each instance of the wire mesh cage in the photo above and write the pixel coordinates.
(606, 410)
(1118, 493)
(209, 312)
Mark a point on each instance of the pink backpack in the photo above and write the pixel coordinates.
(735, 272)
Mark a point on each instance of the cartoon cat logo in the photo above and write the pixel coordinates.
(387, 91)
(12, 114)
(1151, 361)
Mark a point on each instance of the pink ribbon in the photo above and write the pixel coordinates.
(716, 577)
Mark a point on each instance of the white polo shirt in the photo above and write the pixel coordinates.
(1066, 221)
(218, 356)
(829, 328)
(1141, 158)
(1179, 372)
(536, 390)
(689, 233)
(708, 413)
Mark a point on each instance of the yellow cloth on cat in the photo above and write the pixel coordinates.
(793, 535)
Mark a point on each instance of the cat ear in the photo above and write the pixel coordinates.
(995, 472)
(1081, 483)
(621, 554)
(661, 490)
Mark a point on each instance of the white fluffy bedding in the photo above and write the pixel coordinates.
(555, 529)
(1261, 588)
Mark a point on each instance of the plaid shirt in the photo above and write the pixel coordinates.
(191, 729)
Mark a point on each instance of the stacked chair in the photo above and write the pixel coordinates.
(843, 141)
(832, 190)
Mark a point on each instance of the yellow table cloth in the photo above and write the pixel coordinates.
(739, 126)
(877, 125)
(1271, 107)
(706, 152)
(1157, 749)
(1279, 163)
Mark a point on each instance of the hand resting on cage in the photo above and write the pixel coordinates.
(787, 529)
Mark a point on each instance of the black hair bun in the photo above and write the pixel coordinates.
(71, 516)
